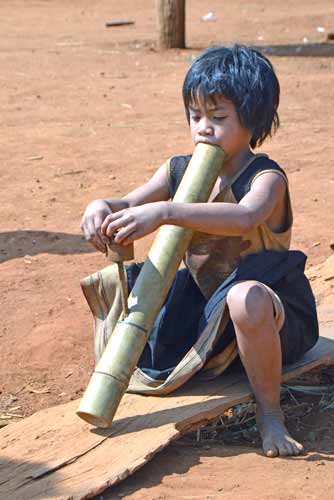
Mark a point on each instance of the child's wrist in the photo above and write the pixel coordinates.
(166, 212)
(116, 204)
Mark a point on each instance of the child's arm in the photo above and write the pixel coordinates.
(264, 202)
(154, 190)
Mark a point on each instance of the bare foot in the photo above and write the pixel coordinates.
(276, 441)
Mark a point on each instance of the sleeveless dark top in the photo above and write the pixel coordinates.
(211, 258)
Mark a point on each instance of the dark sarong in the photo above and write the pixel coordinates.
(186, 313)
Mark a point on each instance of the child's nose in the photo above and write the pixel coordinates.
(205, 128)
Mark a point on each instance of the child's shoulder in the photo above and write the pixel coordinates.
(259, 165)
(176, 166)
(179, 163)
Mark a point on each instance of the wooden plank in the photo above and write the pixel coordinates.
(55, 455)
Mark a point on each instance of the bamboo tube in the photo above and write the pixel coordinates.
(112, 374)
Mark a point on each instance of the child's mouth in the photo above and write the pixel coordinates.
(205, 140)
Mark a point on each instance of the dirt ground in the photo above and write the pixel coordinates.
(89, 112)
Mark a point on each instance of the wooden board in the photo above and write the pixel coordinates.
(55, 455)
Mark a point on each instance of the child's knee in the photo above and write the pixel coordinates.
(249, 304)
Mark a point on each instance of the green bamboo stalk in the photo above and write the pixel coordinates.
(113, 372)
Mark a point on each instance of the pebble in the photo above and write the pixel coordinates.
(209, 17)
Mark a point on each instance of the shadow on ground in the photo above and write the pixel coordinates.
(319, 49)
(17, 481)
(15, 244)
(298, 49)
(178, 459)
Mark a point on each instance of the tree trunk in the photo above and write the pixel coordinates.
(171, 23)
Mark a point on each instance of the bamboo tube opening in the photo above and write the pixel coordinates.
(100, 422)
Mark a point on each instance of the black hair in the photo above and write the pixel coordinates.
(242, 75)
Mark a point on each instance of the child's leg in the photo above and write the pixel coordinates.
(252, 312)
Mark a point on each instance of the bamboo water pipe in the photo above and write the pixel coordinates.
(113, 372)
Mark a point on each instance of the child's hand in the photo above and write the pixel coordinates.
(91, 223)
(133, 223)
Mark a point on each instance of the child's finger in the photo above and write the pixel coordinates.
(116, 225)
(88, 229)
(98, 221)
(124, 233)
(92, 236)
(131, 238)
(109, 219)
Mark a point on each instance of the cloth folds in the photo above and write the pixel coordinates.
(190, 330)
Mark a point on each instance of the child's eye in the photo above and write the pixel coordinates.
(195, 118)
(219, 118)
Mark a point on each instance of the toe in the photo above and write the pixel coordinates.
(297, 448)
(290, 449)
(270, 450)
(271, 453)
(285, 447)
(284, 451)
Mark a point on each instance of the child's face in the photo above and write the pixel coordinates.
(216, 122)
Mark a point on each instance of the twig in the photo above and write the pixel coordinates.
(287, 388)
(111, 24)
(32, 158)
(311, 389)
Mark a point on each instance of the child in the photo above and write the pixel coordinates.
(240, 246)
